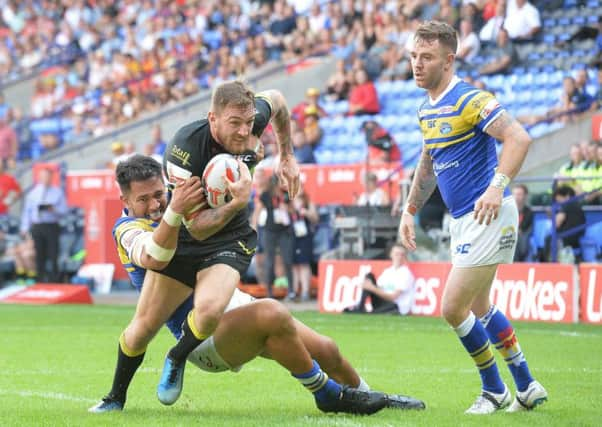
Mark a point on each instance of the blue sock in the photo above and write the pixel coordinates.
(502, 336)
(316, 381)
(474, 338)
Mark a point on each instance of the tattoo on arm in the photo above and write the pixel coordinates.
(210, 221)
(281, 120)
(499, 126)
(424, 182)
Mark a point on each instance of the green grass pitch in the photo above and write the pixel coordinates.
(57, 361)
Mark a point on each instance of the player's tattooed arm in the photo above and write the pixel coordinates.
(515, 140)
(424, 181)
(209, 221)
(281, 121)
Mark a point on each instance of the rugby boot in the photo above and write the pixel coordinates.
(526, 400)
(488, 403)
(353, 401)
(172, 380)
(399, 401)
(107, 404)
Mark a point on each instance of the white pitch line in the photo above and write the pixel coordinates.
(46, 395)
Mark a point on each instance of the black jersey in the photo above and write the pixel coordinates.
(188, 153)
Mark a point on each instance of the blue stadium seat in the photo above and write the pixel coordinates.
(542, 228)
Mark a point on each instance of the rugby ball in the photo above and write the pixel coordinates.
(214, 179)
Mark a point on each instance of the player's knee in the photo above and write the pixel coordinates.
(139, 333)
(207, 317)
(276, 316)
(452, 315)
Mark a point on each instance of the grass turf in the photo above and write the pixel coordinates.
(58, 360)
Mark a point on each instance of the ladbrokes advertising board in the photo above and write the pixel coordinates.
(543, 292)
(591, 293)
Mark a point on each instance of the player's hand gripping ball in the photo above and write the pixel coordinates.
(214, 177)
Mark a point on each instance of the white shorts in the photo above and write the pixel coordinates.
(205, 356)
(474, 245)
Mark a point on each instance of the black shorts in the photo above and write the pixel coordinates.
(236, 253)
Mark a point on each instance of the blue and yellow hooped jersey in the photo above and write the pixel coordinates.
(125, 231)
(464, 156)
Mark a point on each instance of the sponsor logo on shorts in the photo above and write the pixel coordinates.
(508, 237)
(222, 254)
(463, 248)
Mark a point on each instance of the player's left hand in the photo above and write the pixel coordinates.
(288, 173)
(487, 207)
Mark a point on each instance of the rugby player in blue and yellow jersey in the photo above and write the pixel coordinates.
(460, 126)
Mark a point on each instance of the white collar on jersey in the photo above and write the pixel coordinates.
(454, 81)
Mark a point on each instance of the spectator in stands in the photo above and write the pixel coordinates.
(504, 58)
(522, 20)
(304, 152)
(311, 100)
(468, 43)
(338, 85)
(8, 143)
(311, 127)
(373, 195)
(363, 98)
(596, 197)
(525, 222)
(393, 292)
(598, 95)
(305, 217)
(568, 107)
(591, 171)
(78, 134)
(10, 190)
(573, 168)
(4, 107)
(44, 206)
(24, 257)
(381, 145)
(157, 140)
(490, 30)
(569, 216)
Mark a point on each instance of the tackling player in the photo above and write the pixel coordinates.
(247, 329)
(460, 125)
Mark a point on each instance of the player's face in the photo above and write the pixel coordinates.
(146, 199)
(232, 127)
(429, 63)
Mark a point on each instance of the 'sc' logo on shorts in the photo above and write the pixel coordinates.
(463, 248)
(244, 248)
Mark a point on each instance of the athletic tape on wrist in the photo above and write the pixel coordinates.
(158, 252)
(500, 180)
(171, 218)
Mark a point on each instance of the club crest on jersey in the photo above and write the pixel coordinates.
(445, 128)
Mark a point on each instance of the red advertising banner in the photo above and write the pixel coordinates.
(342, 184)
(339, 284)
(597, 127)
(542, 292)
(591, 293)
(49, 293)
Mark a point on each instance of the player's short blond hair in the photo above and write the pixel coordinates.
(234, 93)
(434, 30)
